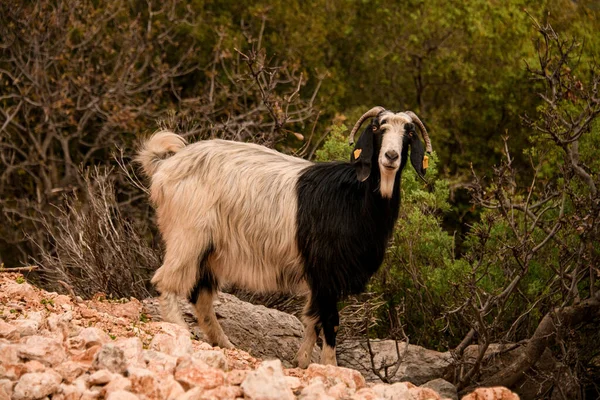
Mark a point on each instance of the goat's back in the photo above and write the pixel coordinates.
(240, 201)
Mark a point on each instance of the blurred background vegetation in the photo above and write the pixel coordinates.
(504, 234)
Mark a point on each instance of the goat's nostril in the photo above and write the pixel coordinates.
(391, 155)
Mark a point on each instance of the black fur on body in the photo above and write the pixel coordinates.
(345, 225)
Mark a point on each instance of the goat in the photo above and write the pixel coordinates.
(240, 213)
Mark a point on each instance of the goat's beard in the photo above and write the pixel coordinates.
(386, 182)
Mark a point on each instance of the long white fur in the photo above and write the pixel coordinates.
(204, 199)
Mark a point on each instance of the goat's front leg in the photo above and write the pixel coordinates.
(321, 313)
(330, 321)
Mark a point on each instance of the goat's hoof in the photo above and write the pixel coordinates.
(302, 361)
(225, 344)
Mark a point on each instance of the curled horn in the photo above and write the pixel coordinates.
(371, 113)
(416, 119)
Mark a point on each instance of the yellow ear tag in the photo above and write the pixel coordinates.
(357, 153)
(425, 162)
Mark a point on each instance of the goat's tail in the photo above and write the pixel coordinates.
(157, 148)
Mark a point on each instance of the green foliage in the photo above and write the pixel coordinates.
(420, 270)
(336, 147)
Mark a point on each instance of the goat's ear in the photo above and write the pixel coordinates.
(417, 151)
(363, 153)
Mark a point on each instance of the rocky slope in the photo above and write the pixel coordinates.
(60, 347)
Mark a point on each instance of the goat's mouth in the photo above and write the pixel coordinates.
(389, 167)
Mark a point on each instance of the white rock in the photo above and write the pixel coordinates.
(89, 337)
(133, 350)
(68, 392)
(122, 395)
(213, 358)
(174, 340)
(45, 350)
(315, 391)
(60, 324)
(192, 372)
(160, 363)
(29, 325)
(36, 385)
(101, 377)
(6, 388)
(110, 357)
(20, 291)
(9, 353)
(119, 382)
(71, 370)
(90, 395)
(146, 383)
(397, 391)
(8, 331)
(81, 383)
(267, 383)
(293, 382)
(171, 388)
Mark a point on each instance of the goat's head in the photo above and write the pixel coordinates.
(384, 145)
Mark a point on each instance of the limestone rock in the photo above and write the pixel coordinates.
(101, 377)
(145, 383)
(133, 350)
(160, 363)
(119, 382)
(315, 391)
(332, 375)
(9, 353)
(110, 357)
(417, 364)
(493, 393)
(8, 331)
(222, 393)
(236, 377)
(173, 340)
(6, 388)
(267, 383)
(121, 395)
(213, 358)
(89, 337)
(46, 350)
(171, 388)
(30, 324)
(129, 310)
(444, 388)
(192, 372)
(68, 392)
(396, 391)
(36, 385)
(20, 291)
(71, 370)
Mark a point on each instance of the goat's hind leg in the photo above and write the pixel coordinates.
(177, 276)
(202, 297)
(312, 328)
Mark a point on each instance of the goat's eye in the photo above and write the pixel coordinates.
(383, 122)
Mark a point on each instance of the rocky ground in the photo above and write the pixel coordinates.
(61, 347)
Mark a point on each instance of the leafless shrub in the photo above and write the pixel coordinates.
(95, 247)
(550, 221)
(80, 78)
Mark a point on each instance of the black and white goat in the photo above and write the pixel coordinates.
(240, 213)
